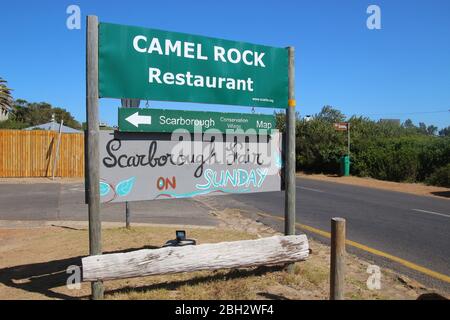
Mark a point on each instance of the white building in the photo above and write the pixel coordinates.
(4, 113)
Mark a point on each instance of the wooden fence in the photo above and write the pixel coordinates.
(31, 154)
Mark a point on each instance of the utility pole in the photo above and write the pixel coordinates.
(290, 186)
(92, 150)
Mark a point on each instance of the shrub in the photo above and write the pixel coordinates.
(381, 150)
(440, 177)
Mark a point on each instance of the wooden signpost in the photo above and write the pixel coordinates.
(138, 63)
(290, 192)
(92, 151)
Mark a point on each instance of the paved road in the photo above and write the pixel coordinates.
(415, 228)
(55, 201)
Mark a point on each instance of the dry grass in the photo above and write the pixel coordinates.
(33, 264)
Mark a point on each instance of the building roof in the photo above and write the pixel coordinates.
(53, 126)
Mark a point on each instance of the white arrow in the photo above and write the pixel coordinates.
(135, 119)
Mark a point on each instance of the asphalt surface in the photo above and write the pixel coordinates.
(55, 201)
(414, 228)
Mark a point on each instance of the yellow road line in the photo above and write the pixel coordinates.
(376, 252)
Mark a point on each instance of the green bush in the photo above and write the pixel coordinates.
(440, 177)
(409, 158)
(381, 150)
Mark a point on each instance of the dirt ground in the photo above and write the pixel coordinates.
(413, 188)
(33, 263)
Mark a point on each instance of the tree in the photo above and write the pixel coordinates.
(30, 114)
(330, 114)
(445, 132)
(432, 130)
(423, 128)
(408, 124)
(5, 96)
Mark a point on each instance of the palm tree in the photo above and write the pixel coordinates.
(5, 97)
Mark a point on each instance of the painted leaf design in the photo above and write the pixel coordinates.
(124, 187)
(104, 189)
(278, 161)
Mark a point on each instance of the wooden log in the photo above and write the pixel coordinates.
(224, 255)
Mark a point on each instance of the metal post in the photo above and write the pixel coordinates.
(55, 160)
(348, 139)
(290, 187)
(92, 150)
(337, 268)
(127, 215)
(129, 103)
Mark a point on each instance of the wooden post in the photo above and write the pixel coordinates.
(92, 155)
(337, 269)
(55, 160)
(290, 185)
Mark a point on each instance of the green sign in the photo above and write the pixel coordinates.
(152, 64)
(159, 120)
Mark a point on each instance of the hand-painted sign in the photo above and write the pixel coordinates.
(152, 64)
(159, 120)
(146, 166)
(341, 126)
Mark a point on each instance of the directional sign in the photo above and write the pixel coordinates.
(159, 120)
(153, 64)
(149, 166)
(341, 126)
(139, 120)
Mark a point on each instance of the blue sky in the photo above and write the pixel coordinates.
(400, 71)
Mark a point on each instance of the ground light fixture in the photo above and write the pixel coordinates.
(180, 240)
(181, 235)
